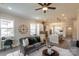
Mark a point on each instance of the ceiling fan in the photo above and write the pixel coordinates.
(45, 7)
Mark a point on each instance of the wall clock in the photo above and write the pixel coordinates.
(23, 29)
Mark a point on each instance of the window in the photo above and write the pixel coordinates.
(34, 29)
(6, 28)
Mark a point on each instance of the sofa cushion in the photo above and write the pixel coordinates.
(38, 39)
(37, 44)
(33, 40)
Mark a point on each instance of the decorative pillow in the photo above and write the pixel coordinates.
(30, 39)
(25, 42)
(38, 39)
(35, 40)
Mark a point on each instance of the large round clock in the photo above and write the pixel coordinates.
(23, 29)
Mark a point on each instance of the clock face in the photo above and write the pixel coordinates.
(23, 29)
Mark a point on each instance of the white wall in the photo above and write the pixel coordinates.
(17, 21)
(76, 28)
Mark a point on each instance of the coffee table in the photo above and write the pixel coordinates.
(45, 53)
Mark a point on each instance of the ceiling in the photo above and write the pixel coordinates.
(27, 10)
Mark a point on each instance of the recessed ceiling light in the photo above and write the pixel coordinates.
(63, 15)
(9, 8)
(37, 18)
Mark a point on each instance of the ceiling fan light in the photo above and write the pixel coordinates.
(45, 8)
(63, 15)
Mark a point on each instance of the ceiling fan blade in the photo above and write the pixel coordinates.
(45, 4)
(51, 7)
(49, 4)
(38, 9)
(40, 4)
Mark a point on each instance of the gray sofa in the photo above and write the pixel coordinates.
(34, 44)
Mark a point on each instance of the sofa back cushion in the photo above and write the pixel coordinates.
(8, 42)
(38, 39)
(29, 40)
(33, 40)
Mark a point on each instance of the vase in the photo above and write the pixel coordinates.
(49, 51)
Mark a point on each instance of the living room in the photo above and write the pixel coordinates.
(55, 27)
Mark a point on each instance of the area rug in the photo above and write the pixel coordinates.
(61, 51)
